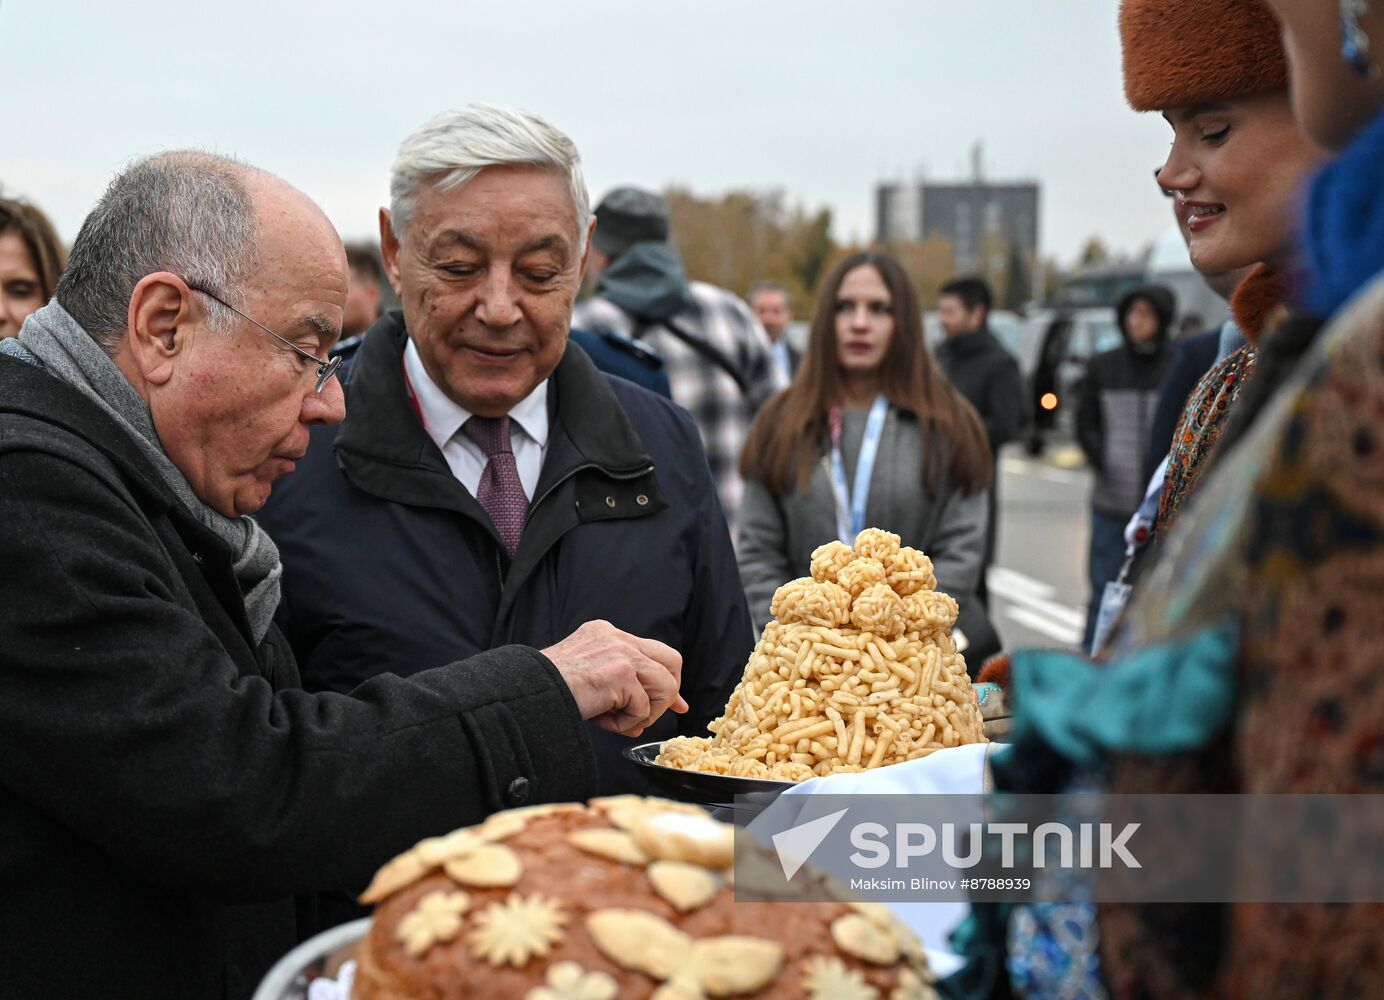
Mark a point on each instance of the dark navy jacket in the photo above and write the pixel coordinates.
(616, 354)
(391, 565)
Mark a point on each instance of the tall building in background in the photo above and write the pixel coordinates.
(979, 218)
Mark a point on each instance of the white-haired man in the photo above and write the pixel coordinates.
(489, 485)
(164, 789)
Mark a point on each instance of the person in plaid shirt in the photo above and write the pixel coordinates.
(717, 356)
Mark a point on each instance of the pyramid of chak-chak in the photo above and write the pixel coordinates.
(857, 670)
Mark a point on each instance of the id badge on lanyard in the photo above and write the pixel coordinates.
(1114, 599)
(850, 505)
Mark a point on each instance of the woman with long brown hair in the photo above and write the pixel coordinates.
(870, 434)
(31, 258)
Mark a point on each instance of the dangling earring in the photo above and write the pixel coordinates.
(1355, 44)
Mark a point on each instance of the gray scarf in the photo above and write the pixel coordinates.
(69, 353)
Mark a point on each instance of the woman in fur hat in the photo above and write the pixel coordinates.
(1303, 484)
(1260, 624)
(1215, 70)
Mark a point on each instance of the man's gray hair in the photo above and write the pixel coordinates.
(456, 145)
(771, 286)
(187, 212)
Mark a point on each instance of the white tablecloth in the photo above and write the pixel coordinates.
(957, 771)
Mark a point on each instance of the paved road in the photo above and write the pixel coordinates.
(1038, 583)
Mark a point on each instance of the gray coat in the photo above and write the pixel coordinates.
(778, 533)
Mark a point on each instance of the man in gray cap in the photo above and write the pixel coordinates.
(717, 356)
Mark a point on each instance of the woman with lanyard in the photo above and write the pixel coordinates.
(869, 435)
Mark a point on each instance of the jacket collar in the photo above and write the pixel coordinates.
(971, 342)
(28, 390)
(381, 424)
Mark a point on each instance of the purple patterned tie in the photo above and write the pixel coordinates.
(500, 491)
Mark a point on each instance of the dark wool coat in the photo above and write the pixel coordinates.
(1118, 397)
(390, 564)
(164, 790)
(1115, 412)
(988, 376)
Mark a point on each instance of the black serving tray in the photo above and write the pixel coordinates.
(696, 786)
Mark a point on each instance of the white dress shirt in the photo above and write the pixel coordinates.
(443, 419)
(783, 357)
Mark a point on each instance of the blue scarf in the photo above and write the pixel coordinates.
(1343, 233)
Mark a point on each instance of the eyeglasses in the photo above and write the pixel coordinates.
(326, 368)
(1167, 192)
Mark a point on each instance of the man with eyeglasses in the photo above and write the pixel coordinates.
(166, 789)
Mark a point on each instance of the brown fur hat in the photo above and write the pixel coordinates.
(995, 671)
(1178, 53)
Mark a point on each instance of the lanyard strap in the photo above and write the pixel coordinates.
(850, 511)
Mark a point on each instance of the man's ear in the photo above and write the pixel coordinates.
(586, 254)
(160, 325)
(389, 251)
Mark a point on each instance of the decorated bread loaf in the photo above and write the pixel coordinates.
(629, 898)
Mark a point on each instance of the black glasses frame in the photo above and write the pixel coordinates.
(326, 367)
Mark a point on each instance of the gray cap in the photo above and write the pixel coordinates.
(630, 215)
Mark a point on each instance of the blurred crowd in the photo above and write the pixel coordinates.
(724, 359)
(315, 550)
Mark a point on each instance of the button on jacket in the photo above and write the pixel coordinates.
(391, 565)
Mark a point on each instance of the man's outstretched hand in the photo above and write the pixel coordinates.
(621, 682)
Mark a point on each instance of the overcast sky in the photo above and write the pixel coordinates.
(822, 99)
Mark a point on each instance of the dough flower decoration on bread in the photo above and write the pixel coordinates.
(517, 929)
(438, 918)
(569, 981)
